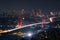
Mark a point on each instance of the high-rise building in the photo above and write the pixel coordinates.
(33, 12)
(40, 12)
(22, 11)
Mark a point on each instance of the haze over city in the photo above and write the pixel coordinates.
(29, 19)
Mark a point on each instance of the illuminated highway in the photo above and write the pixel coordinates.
(20, 27)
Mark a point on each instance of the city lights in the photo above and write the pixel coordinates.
(23, 18)
(51, 19)
(29, 34)
(29, 19)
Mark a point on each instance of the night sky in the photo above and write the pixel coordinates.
(29, 4)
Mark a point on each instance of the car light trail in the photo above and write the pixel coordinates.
(22, 27)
